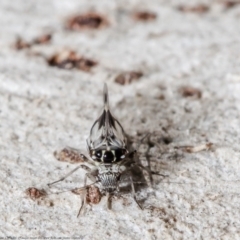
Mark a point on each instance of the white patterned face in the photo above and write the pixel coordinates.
(107, 141)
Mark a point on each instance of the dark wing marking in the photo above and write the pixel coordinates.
(106, 130)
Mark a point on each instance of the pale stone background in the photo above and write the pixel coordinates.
(44, 109)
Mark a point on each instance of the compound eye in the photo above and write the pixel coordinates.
(120, 154)
(108, 157)
(97, 155)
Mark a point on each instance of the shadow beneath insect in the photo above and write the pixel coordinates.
(139, 182)
(139, 177)
(142, 176)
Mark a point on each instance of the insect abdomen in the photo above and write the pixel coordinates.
(109, 181)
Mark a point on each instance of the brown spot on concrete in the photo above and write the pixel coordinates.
(22, 44)
(128, 77)
(230, 3)
(200, 8)
(144, 16)
(87, 21)
(46, 38)
(35, 193)
(68, 155)
(188, 91)
(68, 59)
(92, 194)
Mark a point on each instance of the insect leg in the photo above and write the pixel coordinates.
(148, 171)
(134, 193)
(109, 201)
(91, 176)
(70, 173)
(85, 158)
(132, 161)
(83, 202)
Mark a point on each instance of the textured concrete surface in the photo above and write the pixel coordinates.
(44, 108)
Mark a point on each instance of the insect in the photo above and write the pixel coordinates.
(92, 194)
(35, 193)
(110, 159)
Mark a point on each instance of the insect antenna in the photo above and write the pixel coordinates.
(74, 190)
(56, 193)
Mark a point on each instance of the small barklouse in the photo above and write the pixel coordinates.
(110, 158)
(35, 193)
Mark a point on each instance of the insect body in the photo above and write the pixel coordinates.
(107, 146)
(109, 155)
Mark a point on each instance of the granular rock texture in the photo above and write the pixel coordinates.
(187, 97)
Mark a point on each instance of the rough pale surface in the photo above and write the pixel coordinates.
(44, 109)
